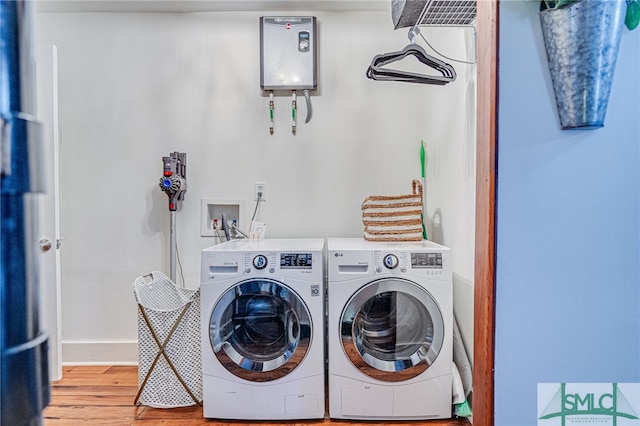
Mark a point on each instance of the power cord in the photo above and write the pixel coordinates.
(446, 57)
(257, 204)
(180, 265)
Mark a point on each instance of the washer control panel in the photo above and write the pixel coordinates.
(301, 259)
(271, 262)
(260, 261)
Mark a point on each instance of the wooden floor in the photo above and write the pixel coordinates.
(104, 396)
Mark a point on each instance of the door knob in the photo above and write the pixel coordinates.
(45, 245)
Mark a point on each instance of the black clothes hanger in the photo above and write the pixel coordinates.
(377, 71)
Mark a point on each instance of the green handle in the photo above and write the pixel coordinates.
(422, 157)
(422, 161)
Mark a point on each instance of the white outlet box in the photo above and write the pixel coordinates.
(260, 187)
(212, 210)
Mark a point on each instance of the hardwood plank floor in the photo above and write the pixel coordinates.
(104, 396)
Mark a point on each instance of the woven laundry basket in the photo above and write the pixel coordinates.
(169, 355)
(393, 217)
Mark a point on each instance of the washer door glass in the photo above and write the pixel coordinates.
(260, 330)
(392, 330)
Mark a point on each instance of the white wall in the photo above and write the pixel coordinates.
(136, 86)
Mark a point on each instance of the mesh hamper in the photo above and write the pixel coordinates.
(169, 356)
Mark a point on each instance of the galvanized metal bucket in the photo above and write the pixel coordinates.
(582, 43)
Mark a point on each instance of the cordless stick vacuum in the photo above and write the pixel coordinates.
(174, 183)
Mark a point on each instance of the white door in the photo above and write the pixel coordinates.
(49, 206)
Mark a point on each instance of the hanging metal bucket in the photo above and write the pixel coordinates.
(582, 43)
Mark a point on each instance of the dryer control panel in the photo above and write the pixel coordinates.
(348, 258)
(427, 262)
(384, 261)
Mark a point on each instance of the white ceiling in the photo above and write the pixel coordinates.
(209, 5)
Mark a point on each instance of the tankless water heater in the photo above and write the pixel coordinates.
(288, 53)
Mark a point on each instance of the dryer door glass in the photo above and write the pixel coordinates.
(392, 330)
(260, 330)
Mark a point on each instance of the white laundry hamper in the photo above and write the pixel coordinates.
(169, 354)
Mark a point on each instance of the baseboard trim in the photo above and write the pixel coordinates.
(99, 352)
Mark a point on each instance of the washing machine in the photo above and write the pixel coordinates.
(262, 329)
(389, 330)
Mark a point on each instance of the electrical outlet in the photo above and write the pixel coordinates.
(260, 187)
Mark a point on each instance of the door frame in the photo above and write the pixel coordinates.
(46, 82)
(486, 165)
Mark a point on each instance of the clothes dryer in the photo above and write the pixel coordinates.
(390, 323)
(262, 329)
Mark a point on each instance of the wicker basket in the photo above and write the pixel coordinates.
(393, 218)
(169, 356)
